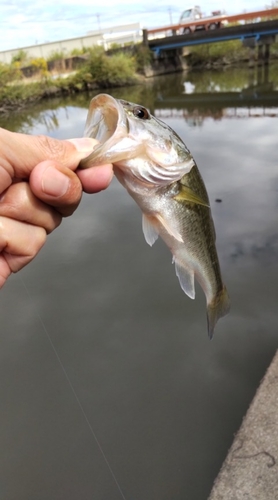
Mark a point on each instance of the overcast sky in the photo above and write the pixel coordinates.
(27, 22)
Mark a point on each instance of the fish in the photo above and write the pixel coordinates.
(157, 169)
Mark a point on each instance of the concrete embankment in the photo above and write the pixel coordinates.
(250, 471)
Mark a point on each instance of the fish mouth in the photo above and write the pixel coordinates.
(107, 123)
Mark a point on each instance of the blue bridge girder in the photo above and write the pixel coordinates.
(258, 31)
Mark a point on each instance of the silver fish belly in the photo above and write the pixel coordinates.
(154, 165)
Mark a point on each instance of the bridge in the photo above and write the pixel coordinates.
(251, 34)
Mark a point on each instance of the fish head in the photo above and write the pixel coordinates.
(136, 142)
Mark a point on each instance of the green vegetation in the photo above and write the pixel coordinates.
(20, 57)
(39, 65)
(143, 56)
(229, 52)
(8, 73)
(101, 71)
(56, 55)
(97, 69)
(107, 71)
(223, 52)
(80, 52)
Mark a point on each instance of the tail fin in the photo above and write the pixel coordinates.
(219, 307)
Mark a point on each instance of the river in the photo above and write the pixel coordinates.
(110, 387)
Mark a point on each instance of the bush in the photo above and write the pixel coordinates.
(229, 51)
(9, 74)
(109, 71)
(117, 70)
(143, 56)
(56, 55)
(40, 65)
(20, 93)
(79, 52)
(20, 57)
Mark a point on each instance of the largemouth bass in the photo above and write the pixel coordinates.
(154, 165)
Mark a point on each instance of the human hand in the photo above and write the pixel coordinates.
(39, 185)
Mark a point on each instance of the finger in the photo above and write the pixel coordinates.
(57, 186)
(19, 203)
(19, 244)
(21, 152)
(95, 179)
(5, 179)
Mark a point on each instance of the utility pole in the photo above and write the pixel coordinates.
(98, 21)
(170, 15)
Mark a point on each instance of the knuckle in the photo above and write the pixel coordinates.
(21, 205)
(53, 222)
(14, 200)
(36, 238)
(40, 239)
(53, 149)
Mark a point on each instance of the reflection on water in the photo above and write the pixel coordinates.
(238, 94)
(162, 402)
(233, 92)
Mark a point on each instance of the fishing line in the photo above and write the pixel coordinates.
(75, 395)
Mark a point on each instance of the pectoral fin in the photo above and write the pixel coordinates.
(186, 194)
(186, 279)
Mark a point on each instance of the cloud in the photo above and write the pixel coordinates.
(27, 22)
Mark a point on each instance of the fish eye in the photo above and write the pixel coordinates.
(141, 113)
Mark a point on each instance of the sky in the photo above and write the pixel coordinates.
(29, 22)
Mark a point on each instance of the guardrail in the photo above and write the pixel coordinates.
(244, 16)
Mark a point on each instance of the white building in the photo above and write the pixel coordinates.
(118, 34)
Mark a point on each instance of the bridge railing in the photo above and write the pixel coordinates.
(243, 17)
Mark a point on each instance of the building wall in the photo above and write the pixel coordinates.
(117, 34)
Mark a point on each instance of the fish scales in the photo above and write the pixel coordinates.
(159, 172)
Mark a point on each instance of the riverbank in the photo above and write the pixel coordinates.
(100, 70)
(250, 469)
(23, 94)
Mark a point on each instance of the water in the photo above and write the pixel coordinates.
(110, 388)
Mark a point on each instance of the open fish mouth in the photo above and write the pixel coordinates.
(104, 115)
(107, 123)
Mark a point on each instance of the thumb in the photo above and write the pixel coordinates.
(21, 152)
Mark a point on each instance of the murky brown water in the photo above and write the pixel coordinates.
(109, 386)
